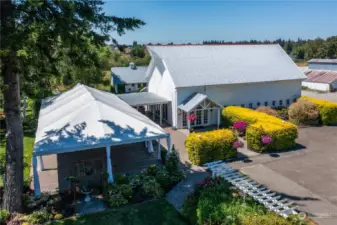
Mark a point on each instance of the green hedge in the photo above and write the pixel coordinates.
(327, 110)
(260, 124)
(210, 146)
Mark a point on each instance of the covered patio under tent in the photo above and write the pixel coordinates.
(149, 104)
(85, 122)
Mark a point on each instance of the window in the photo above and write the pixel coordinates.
(265, 103)
(184, 119)
(242, 105)
(165, 111)
(251, 105)
(274, 103)
(87, 168)
(288, 101)
(132, 85)
(258, 104)
(294, 100)
(198, 112)
(281, 102)
(129, 89)
(205, 116)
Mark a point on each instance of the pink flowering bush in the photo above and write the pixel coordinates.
(237, 144)
(266, 140)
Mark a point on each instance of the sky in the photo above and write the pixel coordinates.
(195, 21)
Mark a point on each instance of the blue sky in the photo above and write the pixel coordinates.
(195, 21)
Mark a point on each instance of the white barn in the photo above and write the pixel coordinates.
(201, 79)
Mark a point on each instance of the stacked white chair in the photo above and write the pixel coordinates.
(271, 200)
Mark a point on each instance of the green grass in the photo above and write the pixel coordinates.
(158, 212)
(29, 127)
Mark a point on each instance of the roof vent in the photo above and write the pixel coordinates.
(132, 66)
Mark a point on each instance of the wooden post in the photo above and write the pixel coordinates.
(108, 164)
(37, 190)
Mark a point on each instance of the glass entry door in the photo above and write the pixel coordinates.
(201, 117)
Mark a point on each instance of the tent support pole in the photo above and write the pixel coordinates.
(159, 150)
(108, 164)
(37, 190)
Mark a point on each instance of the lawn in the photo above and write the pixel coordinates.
(29, 127)
(157, 212)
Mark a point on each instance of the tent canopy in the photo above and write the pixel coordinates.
(85, 118)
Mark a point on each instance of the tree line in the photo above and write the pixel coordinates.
(299, 49)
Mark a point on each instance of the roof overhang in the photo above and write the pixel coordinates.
(143, 98)
(194, 100)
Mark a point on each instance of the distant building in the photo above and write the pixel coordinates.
(322, 64)
(321, 75)
(132, 78)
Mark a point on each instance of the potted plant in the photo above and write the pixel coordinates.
(191, 118)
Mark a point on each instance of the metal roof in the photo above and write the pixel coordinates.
(126, 75)
(328, 61)
(199, 65)
(86, 118)
(193, 101)
(142, 98)
(321, 76)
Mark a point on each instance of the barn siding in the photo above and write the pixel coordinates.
(237, 94)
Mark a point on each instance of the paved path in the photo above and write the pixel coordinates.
(194, 173)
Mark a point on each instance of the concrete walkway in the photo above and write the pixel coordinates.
(194, 173)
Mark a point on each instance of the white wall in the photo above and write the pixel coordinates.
(316, 86)
(162, 84)
(237, 94)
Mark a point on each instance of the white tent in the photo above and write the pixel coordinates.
(85, 118)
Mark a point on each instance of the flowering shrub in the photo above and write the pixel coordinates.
(240, 126)
(327, 110)
(266, 140)
(210, 146)
(260, 124)
(191, 117)
(237, 144)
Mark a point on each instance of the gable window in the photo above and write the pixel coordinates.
(250, 105)
(281, 102)
(265, 103)
(274, 103)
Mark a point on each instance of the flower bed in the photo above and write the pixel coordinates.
(210, 146)
(327, 110)
(215, 201)
(282, 133)
(153, 182)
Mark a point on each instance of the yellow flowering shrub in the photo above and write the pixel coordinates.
(203, 147)
(260, 124)
(327, 110)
